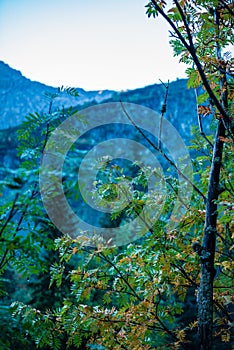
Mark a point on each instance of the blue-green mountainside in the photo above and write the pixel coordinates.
(21, 96)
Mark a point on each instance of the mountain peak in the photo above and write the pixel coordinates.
(7, 72)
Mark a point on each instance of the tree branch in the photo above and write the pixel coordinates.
(163, 111)
(191, 49)
(200, 123)
(163, 154)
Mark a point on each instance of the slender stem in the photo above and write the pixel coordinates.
(121, 275)
(163, 154)
(11, 214)
(164, 327)
(185, 21)
(3, 262)
(163, 111)
(200, 124)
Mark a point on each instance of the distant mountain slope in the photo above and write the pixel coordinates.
(181, 103)
(20, 96)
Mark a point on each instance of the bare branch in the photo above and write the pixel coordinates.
(163, 111)
(163, 154)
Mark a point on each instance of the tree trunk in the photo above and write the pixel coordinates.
(207, 251)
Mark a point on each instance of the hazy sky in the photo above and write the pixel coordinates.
(93, 44)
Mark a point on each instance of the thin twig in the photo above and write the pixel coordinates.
(163, 154)
(3, 262)
(120, 274)
(163, 111)
(200, 123)
(160, 321)
(11, 214)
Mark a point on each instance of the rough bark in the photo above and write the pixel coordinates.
(207, 251)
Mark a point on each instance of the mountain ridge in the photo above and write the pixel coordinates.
(20, 96)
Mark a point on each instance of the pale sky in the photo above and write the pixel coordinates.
(92, 44)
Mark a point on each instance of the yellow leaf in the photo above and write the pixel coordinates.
(225, 337)
(74, 250)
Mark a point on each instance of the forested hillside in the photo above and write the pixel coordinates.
(20, 96)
